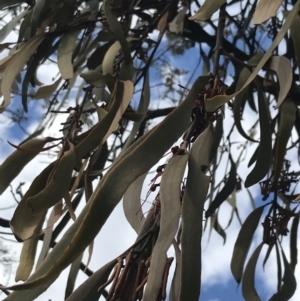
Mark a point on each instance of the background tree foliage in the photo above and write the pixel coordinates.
(106, 52)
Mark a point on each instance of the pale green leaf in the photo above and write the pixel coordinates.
(132, 204)
(192, 212)
(65, 53)
(45, 92)
(170, 213)
(243, 242)
(282, 66)
(287, 119)
(289, 285)
(15, 162)
(15, 66)
(248, 286)
(265, 9)
(58, 184)
(264, 155)
(207, 10)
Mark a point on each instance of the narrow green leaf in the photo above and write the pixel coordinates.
(46, 91)
(88, 290)
(142, 108)
(116, 28)
(289, 286)
(170, 213)
(23, 224)
(239, 103)
(27, 258)
(65, 53)
(265, 9)
(16, 161)
(225, 191)
(270, 248)
(58, 185)
(293, 242)
(218, 134)
(132, 203)
(96, 78)
(219, 229)
(11, 25)
(248, 285)
(282, 66)
(75, 266)
(279, 270)
(15, 66)
(207, 10)
(36, 16)
(264, 156)
(176, 281)
(192, 213)
(243, 242)
(287, 119)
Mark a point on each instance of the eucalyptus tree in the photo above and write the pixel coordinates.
(106, 53)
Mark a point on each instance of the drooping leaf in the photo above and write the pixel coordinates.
(15, 162)
(294, 30)
(214, 103)
(7, 28)
(46, 91)
(170, 213)
(282, 66)
(239, 101)
(219, 229)
(248, 286)
(89, 290)
(264, 156)
(176, 281)
(27, 258)
(142, 108)
(116, 28)
(100, 132)
(65, 53)
(72, 276)
(23, 224)
(96, 78)
(124, 171)
(225, 191)
(289, 285)
(44, 50)
(207, 10)
(293, 242)
(36, 14)
(96, 59)
(15, 66)
(58, 184)
(218, 134)
(192, 212)
(132, 204)
(270, 248)
(243, 242)
(287, 119)
(265, 9)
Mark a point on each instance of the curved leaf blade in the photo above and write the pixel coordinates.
(248, 286)
(197, 185)
(264, 156)
(243, 242)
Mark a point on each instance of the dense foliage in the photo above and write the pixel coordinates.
(115, 59)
